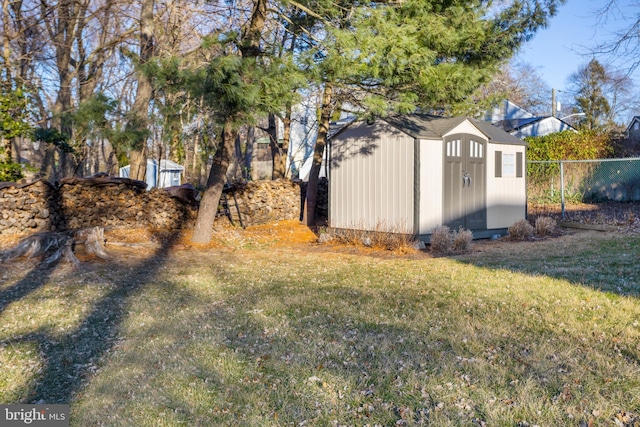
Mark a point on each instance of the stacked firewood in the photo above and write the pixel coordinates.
(261, 202)
(109, 202)
(78, 203)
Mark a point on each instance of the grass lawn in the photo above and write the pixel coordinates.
(260, 333)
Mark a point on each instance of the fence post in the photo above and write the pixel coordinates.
(562, 188)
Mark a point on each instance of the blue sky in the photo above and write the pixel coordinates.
(560, 49)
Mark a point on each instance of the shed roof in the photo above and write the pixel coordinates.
(425, 126)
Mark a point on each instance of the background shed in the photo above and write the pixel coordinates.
(413, 173)
(163, 174)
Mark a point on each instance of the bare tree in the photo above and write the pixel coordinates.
(621, 47)
(140, 112)
(518, 82)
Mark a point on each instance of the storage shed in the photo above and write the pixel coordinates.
(162, 175)
(413, 173)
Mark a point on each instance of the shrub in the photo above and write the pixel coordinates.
(10, 172)
(569, 145)
(545, 226)
(444, 241)
(462, 239)
(521, 230)
(390, 240)
(441, 240)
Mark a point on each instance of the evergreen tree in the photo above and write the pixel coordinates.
(399, 56)
(376, 57)
(590, 81)
(243, 80)
(13, 123)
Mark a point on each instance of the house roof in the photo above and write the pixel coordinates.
(518, 125)
(510, 125)
(633, 120)
(168, 165)
(165, 165)
(424, 126)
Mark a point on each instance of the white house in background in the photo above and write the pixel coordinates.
(304, 130)
(520, 123)
(167, 174)
(334, 128)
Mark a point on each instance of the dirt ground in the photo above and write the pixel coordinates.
(625, 217)
(138, 243)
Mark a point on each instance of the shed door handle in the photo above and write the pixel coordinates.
(466, 180)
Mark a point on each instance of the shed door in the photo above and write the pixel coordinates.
(465, 182)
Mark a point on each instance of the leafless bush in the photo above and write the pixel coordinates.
(521, 230)
(545, 226)
(396, 239)
(445, 242)
(462, 239)
(441, 240)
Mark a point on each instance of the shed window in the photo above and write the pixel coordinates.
(636, 126)
(475, 149)
(508, 164)
(453, 148)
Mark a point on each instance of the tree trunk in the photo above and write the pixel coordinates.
(6, 48)
(252, 33)
(248, 153)
(250, 48)
(276, 154)
(140, 109)
(318, 152)
(286, 139)
(5, 149)
(203, 229)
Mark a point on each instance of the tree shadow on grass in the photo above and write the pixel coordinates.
(33, 280)
(603, 261)
(68, 360)
(273, 350)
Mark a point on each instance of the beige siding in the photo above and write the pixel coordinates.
(372, 178)
(465, 127)
(431, 174)
(507, 195)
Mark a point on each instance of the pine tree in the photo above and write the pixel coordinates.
(399, 56)
(590, 82)
(240, 83)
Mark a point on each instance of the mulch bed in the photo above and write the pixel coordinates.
(625, 217)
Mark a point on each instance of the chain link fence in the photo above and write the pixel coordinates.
(584, 181)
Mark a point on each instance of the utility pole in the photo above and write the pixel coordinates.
(553, 103)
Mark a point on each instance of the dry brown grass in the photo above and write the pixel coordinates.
(393, 239)
(543, 332)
